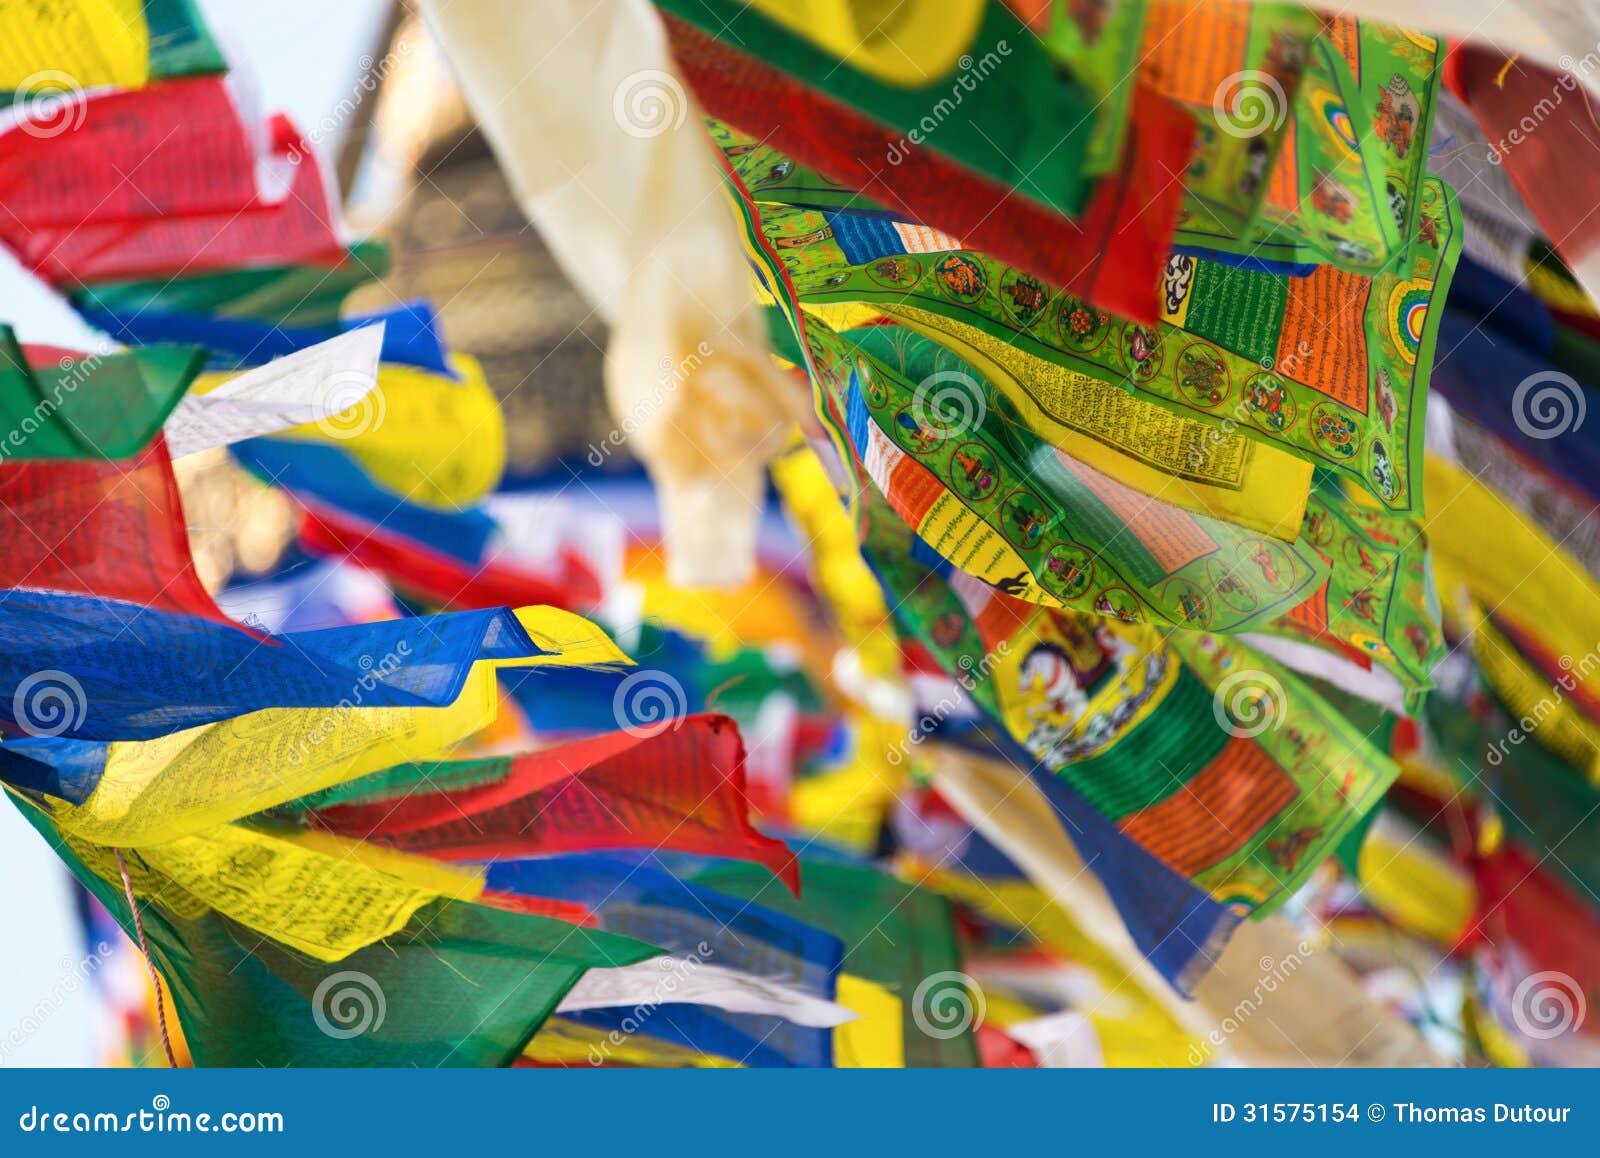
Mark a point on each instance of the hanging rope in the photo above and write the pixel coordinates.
(149, 961)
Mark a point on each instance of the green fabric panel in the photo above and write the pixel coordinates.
(1229, 305)
(1155, 759)
(1088, 519)
(1542, 253)
(1536, 793)
(781, 334)
(285, 295)
(96, 406)
(894, 934)
(404, 780)
(1349, 850)
(747, 679)
(1372, 720)
(1577, 354)
(180, 45)
(1105, 56)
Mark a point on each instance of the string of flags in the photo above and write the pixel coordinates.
(1095, 562)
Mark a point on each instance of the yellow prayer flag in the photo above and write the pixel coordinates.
(876, 1039)
(428, 438)
(326, 896)
(49, 47)
(908, 43)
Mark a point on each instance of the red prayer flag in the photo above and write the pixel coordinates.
(682, 789)
(1538, 151)
(177, 148)
(415, 569)
(161, 181)
(1113, 257)
(96, 527)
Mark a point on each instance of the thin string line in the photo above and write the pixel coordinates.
(150, 964)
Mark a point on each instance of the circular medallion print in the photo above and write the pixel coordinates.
(973, 474)
(1202, 376)
(1025, 299)
(1068, 571)
(1082, 327)
(1335, 433)
(1408, 316)
(1141, 351)
(960, 278)
(1267, 401)
(1023, 518)
(1229, 587)
(1119, 603)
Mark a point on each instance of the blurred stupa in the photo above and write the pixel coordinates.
(414, 171)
